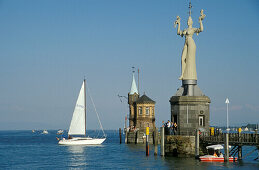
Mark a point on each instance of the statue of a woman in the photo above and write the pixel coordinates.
(189, 49)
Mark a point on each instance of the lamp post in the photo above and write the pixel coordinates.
(125, 126)
(227, 102)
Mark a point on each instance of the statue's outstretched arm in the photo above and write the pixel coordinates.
(202, 16)
(177, 22)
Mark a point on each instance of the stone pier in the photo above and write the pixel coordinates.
(180, 146)
(138, 137)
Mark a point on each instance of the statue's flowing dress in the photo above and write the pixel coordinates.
(189, 72)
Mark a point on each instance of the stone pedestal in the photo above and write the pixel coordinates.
(190, 113)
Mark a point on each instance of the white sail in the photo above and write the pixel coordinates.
(77, 125)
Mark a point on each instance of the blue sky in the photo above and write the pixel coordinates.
(48, 46)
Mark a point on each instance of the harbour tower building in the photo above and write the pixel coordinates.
(133, 96)
(141, 114)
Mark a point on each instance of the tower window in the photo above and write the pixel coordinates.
(147, 110)
(140, 110)
(201, 121)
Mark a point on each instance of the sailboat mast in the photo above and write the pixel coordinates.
(138, 82)
(85, 104)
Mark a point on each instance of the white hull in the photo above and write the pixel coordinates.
(81, 141)
(45, 132)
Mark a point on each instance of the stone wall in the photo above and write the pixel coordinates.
(180, 146)
(139, 137)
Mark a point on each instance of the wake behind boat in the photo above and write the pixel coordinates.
(78, 124)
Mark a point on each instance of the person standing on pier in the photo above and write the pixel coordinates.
(163, 124)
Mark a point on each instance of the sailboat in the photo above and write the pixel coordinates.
(78, 124)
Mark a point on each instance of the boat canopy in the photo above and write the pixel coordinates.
(216, 147)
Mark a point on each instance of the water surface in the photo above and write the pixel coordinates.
(27, 150)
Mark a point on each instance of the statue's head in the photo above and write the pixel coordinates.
(189, 23)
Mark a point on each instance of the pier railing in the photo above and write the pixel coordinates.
(234, 138)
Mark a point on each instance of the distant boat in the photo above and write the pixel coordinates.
(78, 124)
(246, 129)
(60, 132)
(45, 132)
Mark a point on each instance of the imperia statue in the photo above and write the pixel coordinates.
(189, 49)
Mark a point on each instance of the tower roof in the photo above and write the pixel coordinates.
(133, 88)
(145, 99)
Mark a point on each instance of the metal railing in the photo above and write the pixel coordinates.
(234, 138)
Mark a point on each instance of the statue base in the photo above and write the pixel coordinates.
(190, 109)
(189, 88)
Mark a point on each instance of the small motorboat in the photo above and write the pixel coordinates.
(45, 132)
(215, 155)
(60, 132)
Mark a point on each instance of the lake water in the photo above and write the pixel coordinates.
(27, 150)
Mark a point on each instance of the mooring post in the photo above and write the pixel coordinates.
(126, 137)
(197, 144)
(239, 146)
(256, 137)
(162, 143)
(147, 144)
(137, 136)
(155, 141)
(256, 141)
(239, 135)
(226, 148)
(239, 152)
(120, 134)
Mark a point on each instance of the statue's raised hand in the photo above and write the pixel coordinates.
(202, 15)
(177, 21)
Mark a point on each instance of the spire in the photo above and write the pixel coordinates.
(133, 85)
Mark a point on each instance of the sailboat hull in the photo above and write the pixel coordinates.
(82, 141)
